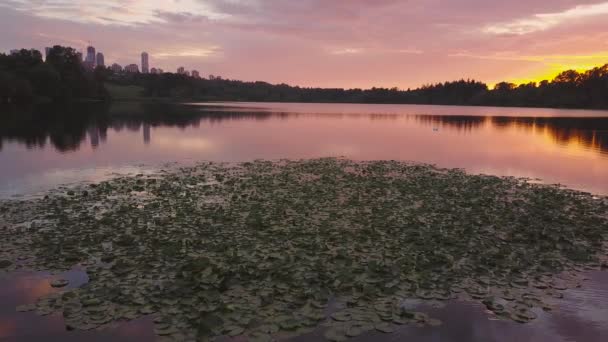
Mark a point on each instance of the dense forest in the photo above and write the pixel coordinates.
(570, 89)
(25, 77)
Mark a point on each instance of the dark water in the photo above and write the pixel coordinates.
(41, 148)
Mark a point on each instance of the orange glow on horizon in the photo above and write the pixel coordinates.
(559, 64)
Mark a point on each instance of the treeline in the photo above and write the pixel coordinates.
(570, 89)
(25, 77)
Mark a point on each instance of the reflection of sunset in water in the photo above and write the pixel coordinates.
(26, 287)
(32, 288)
(577, 135)
(7, 329)
(557, 146)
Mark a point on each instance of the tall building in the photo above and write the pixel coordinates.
(89, 61)
(100, 60)
(116, 67)
(132, 68)
(90, 55)
(195, 74)
(47, 51)
(145, 68)
(79, 55)
(181, 70)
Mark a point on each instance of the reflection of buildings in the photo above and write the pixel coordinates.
(146, 131)
(40, 127)
(94, 136)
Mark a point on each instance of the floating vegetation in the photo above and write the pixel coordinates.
(59, 283)
(277, 249)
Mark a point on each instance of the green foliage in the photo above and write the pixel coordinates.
(25, 77)
(570, 89)
(117, 91)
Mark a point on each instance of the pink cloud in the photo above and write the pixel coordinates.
(353, 43)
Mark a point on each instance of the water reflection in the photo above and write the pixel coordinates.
(66, 129)
(26, 287)
(43, 147)
(581, 316)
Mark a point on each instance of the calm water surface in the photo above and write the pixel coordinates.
(46, 147)
(42, 148)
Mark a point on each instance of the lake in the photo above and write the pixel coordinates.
(42, 148)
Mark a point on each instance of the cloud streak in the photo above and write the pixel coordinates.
(545, 21)
(115, 12)
(355, 43)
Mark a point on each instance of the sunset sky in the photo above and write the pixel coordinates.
(356, 43)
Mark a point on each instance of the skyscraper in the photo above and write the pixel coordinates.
(90, 55)
(89, 62)
(79, 55)
(145, 68)
(47, 50)
(100, 59)
(181, 70)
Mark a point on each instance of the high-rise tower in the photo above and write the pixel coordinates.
(90, 55)
(89, 61)
(100, 59)
(145, 68)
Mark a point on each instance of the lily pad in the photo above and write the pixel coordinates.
(59, 282)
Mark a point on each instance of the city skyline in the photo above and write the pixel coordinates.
(358, 44)
(95, 58)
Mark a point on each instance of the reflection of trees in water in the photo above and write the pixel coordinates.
(458, 122)
(67, 128)
(588, 131)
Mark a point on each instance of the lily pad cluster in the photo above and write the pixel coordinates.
(273, 249)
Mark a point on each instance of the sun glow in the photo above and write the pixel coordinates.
(551, 66)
